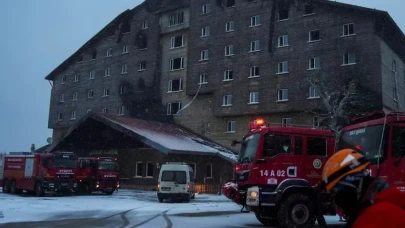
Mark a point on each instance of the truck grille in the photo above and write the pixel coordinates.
(109, 182)
(65, 176)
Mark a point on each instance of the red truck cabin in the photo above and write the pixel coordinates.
(275, 153)
(382, 140)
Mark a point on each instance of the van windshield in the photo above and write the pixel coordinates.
(176, 176)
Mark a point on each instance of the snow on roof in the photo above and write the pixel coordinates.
(172, 137)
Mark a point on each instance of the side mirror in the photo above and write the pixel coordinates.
(234, 142)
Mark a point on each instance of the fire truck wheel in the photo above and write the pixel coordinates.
(296, 211)
(266, 221)
(39, 191)
(6, 187)
(109, 193)
(13, 187)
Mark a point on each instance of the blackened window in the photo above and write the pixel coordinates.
(209, 170)
(283, 14)
(230, 3)
(80, 58)
(309, 9)
(150, 169)
(139, 169)
(316, 146)
(94, 54)
(126, 27)
(314, 35)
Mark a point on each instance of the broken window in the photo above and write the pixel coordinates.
(176, 64)
(173, 108)
(94, 54)
(126, 27)
(283, 14)
(230, 3)
(314, 35)
(309, 9)
(175, 85)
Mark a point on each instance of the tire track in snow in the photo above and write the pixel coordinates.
(169, 223)
(150, 219)
(125, 219)
(1, 214)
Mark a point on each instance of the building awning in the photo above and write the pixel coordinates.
(164, 137)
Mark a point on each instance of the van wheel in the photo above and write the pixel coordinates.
(6, 187)
(39, 191)
(160, 199)
(187, 199)
(193, 196)
(13, 187)
(297, 211)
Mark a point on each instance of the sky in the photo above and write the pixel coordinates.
(36, 36)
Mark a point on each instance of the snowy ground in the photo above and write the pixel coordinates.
(124, 209)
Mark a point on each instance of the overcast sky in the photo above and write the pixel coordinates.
(37, 36)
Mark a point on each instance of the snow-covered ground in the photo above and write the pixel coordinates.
(124, 209)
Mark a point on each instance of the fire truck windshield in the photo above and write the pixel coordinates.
(249, 148)
(107, 165)
(64, 163)
(366, 140)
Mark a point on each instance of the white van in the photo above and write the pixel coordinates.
(176, 181)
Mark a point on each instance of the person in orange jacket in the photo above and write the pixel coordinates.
(367, 201)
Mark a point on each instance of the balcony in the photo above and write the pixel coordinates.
(166, 28)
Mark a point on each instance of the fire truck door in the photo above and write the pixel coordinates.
(315, 157)
(29, 167)
(395, 164)
(2, 159)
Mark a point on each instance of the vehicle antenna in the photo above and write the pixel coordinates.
(381, 141)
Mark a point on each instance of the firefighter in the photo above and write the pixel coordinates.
(366, 201)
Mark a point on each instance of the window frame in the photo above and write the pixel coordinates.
(169, 108)
(309, 36)
(316, 61)
(92, 74)
(109, 52)
(124, 69)
(316, 122)
(121, 110)
(231, 126)
(170, 86)
(284, 38)
(106, 92)
(229, 50)
(173, 42)
(172, 64)
(61, 98)
(176, 19)
(231, 26)
(73, 115)
(104, 110)
(125, 49)
(256, 20)
(142, 66)
(204, 55)
(206, 9)
(107, 72)
(252, 72)
(227, 74)
(205, 31)
(255, 95)
(136, 169)
(76, 78)
(75, 96)
(312, 93)
(227, 100)
(285, 120)
(204, 77)
(348, 59)
(348, 30)
(147, 169)
(90, 92)
(145, 24)
(256, 45)
(284, 19)
(282, 64)
(211, 171)
(284, 93)
(60, 116)
(63, 80)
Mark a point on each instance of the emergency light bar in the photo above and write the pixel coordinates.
(256, 124)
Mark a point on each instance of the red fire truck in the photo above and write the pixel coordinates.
(276, 171)
(381, 138)
(98, 174)
(39, 173)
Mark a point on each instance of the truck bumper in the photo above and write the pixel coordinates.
(60, 186)
(258, 197)
(172, 195)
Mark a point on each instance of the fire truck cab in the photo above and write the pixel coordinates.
(381, 138)
(276, 171)
(39, 173)
(98, 174)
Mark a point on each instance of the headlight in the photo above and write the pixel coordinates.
(253, 194)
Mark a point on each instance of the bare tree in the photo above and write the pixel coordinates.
(342, 98)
